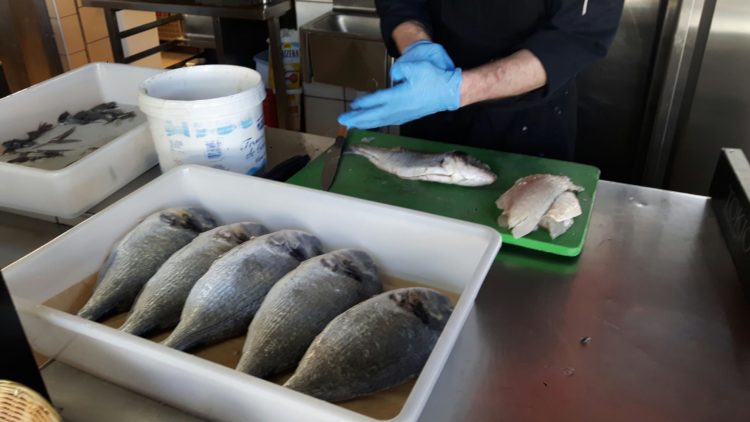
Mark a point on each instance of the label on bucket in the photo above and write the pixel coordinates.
(234, 144)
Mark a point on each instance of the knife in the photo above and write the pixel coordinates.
(332, 159)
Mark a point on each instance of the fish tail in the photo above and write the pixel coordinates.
(132, 326)
(179, 340)
(250, 366)
(90, 312)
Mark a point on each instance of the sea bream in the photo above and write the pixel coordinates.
(137, 257)
(528, 200)
(225, 299)
(159, 305)
(455, 167)
(377, 344)
(301, 304)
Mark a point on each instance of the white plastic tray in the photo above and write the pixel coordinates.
(420, 247)
(71, 191)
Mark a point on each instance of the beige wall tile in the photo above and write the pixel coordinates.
(71, 33)
(66, 7)
(94, 25)
(100, 51)
(77, 59)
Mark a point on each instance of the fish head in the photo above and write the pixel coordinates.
(430, 306)
(469, 170)
(296, 243)
(196, 219)
(357, 265)
(240, 232)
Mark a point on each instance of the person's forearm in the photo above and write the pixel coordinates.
(408, 33)
(516, 74)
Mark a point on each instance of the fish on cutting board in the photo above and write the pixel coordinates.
(375, 345)
(559, 218)
(530, 198)
(159, 305)
(455, 167)
(224, 300)
(137, 257)
(301, 304)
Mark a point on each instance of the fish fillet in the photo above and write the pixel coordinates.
(559, 218)
(565, 207)
(528, 200)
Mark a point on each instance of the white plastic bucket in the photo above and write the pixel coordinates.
(210, 115)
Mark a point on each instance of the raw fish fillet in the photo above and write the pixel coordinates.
(529, 199)
(556, 228)
(559, 218)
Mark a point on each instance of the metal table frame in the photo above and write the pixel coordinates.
(270, 13)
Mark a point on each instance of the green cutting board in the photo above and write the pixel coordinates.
(358, 178)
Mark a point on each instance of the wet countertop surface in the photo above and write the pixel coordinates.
(649, 323)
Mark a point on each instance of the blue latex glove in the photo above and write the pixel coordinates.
(427, 51)
(423, 89)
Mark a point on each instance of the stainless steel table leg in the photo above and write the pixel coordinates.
(282, 105)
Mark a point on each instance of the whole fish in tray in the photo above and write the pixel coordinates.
(225, 299)
(137, 257)
(528, 200)
(377, 344)
(456, 168)
(301, 304)
(159, 305)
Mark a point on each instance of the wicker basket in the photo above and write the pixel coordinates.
(19, 403)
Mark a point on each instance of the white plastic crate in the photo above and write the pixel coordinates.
(72, 190)
(424, 248)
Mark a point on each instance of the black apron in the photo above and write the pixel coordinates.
(535, 123)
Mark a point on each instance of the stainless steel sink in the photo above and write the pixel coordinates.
(345, 49)
(357, 26)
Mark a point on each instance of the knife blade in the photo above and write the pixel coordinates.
(332, 159)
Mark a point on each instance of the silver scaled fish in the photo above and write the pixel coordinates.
(222, 303)
(137, 257)
(301, 304)
(455, 167)
(377, 344)
(159, 305)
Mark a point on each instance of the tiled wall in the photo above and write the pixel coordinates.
(80, 33)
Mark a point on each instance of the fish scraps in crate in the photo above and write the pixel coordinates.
(106, 112)
(80, 133)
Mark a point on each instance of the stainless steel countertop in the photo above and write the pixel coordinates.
(655, 290)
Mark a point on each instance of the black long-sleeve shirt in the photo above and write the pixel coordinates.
(566, 35)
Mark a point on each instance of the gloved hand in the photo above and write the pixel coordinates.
(427, 51)
(423, 89)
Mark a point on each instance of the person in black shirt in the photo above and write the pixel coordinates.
(496, 74)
